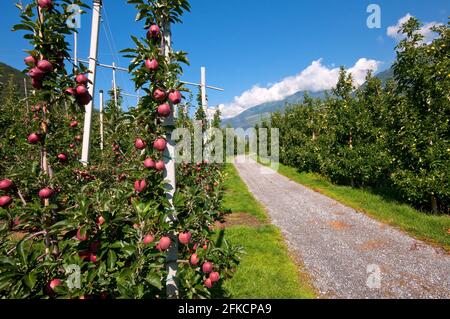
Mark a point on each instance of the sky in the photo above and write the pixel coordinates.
(257, 50)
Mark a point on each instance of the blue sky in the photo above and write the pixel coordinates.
(252, 43)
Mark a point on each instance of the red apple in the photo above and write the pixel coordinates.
(101, 220)
(46, 193)
(140, 144)
(81, 90)
(160, 166)
(160, 144)
(164, 110)
(54, 283)
(175, 97)
(72, 146)
(208, 283)
(214, 276)
(62, 157)
(93, 258)
(148, 239)
(159, 95)
(153, 32)
(74, 124)
(84, 99)
(81, 237)
(82, 79)
(152, 64)
(5, 201)
(207, 267)
(140, 186)
(5, 185)
(194, 260)
(33, 138)
(30, 61)
(95, 246)
(36, 73)
(71, 91)
(45, 4)
(149, 163)
(36, 83)
(185, 238)
(45, 66)
(78, 138)
(164, 243)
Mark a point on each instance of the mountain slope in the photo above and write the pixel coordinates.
(6, 72)
(256, 114)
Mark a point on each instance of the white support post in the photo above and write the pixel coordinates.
(92, 68)
(26, 95)
(75, 49)
(169, 175)
(203, 90)
(101, 122)
(115, 86)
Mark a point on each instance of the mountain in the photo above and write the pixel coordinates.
(257, 114)
(6, 72)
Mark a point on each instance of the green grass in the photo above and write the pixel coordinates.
(431, 228)
(266, 270)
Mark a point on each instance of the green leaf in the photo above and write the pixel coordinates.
(154, 279)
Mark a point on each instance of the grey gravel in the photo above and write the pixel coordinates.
(342, 249)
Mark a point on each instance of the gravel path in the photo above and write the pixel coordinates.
(343, 250)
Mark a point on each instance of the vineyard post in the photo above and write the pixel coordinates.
(92, 68)
(169, 175)
(116, 104)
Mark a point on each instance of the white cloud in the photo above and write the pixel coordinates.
(316, 77)
(425, 30)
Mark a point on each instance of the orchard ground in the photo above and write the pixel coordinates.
(267, 271)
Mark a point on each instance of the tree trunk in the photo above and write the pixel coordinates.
(434, 204)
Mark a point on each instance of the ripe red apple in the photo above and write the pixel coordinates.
(54, 283)
(175, 97)
(207, 267)
(160, 144)
(81, 90)
(140, 186)
(153, 32)
(95, 246)
(164, 243)
(101, 220)
(62, 157)
(45, 4)
(160, 166)
(36, 73)
(149, 163)
(164, 110)
(6, 184)
(214, 276)
(74, 124)
(93, 258)
(82, 79)
(140, 144)
(30, 60)
(5, 201)
(84, 99)
(78, 138)
(46, 193)
(208, 283)
(81, 237)
(159, 95)
(45, 66)
(72, 146)
(33, 138)
(152, 64)
(36, 83)
(71, 91)
(194, 260)
(185, 238)
(148, 239)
